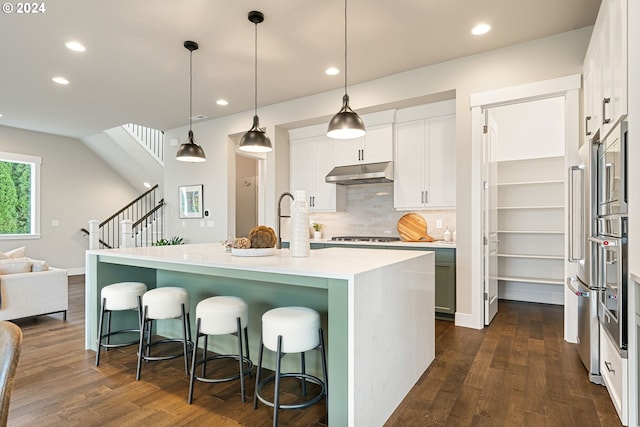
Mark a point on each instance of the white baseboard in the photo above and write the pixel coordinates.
(466, 320)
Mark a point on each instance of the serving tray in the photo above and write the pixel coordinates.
(253, 251)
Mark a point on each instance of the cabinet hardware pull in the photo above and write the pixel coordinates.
(586, 125)
(608, 366)
(426, 196)
(605, 101)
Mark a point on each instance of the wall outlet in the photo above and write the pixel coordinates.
(438, 223)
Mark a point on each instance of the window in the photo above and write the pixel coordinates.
(19, 196)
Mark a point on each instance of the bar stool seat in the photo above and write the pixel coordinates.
(118, 297)
(168, 302)
(290, 330)
(221, 315)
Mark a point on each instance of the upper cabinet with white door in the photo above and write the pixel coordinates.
(605, 70)
(376, 146)
(311, 158)
(425, 157)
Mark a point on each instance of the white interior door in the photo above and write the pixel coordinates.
(490, 218)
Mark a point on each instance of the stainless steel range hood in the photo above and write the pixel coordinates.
(370, 173)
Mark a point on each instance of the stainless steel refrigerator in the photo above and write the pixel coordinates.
(582, 216)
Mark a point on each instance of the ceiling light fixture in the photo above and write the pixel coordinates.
(190, 151)
(60, 80)
(75, 46)
(222, 102)
(481, 29)
(346, 124)
(255, 140)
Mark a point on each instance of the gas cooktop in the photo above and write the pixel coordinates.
(365, 239)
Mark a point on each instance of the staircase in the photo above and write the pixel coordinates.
(139, 223)
(135, 152)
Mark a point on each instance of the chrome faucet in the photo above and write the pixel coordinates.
(280, 216)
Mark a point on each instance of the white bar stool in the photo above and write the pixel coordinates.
(221, 315)
(118, 297)
(290, 330)
(164, 303)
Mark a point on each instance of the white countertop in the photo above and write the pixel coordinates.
(339, 263)
(436, 244)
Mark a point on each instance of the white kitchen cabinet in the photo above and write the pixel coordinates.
(375, 146)
(605, 70)
(531, 230)
(311, 158)
(425, 163)
(614, 369)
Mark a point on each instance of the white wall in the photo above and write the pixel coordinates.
(530, 130)
(547, 58)
(76, 186)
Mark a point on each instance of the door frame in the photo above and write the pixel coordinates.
(567, 87)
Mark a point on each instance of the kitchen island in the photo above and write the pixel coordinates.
(377, 309)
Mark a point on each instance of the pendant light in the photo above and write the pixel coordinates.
(190, 151)
(255, 140)
(346, 124)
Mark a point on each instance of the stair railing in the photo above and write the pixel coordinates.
(144, 213)
(151, 139)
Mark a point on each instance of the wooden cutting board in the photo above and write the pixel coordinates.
(412, 227)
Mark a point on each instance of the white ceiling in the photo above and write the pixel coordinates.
(136, 69)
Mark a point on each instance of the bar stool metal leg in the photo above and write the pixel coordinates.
(104, 301)
(258, 374)
(276, 396)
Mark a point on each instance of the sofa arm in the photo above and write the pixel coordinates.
(32, 294)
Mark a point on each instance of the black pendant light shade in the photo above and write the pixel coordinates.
(255, 140)
(189, 151)
(346, 124)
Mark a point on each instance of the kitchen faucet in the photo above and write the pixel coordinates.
(280, 216)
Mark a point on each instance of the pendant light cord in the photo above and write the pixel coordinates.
(255, 97)
(190, 88)
(345, 47)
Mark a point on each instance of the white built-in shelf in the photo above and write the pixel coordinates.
(558, 181)
(543, 280)
(558, 257)
(531, 231)
(529, 207)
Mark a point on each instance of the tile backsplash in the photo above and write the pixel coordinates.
(369, 212)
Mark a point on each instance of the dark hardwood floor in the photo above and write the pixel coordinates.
(518, 372)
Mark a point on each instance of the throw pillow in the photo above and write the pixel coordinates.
(39, 266)
(13, 253)
(13, 266)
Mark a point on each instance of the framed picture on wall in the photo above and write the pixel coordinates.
(190, 201)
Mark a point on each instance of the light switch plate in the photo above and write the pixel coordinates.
(438, 223)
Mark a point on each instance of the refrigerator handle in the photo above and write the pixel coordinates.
(574, 290)
(576, 228)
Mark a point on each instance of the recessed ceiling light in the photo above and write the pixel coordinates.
(60, 80)
(199, 117)
(480, 29)
(0, 115)
(222, 102)
(146, 184)
(332, 71)
(75, 46)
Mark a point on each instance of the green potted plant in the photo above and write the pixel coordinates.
(175, 240)
(317, 230)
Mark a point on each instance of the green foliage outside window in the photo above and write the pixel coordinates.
(15, 198)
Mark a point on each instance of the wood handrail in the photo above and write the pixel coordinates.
(148, 214)
(102, 242)
(129, 205)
